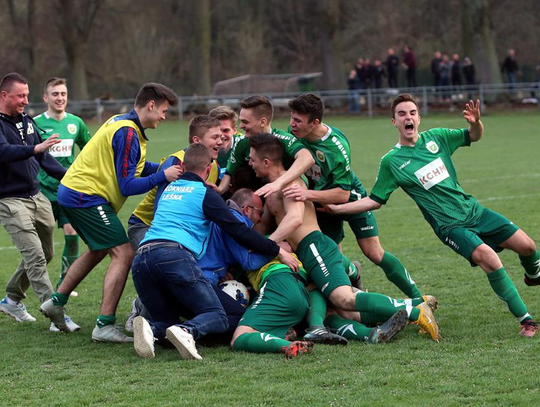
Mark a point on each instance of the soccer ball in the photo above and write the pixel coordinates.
(236, 290)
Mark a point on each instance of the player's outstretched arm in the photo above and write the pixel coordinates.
(472, 115)
(303, 161)
(328, 196)
(363, 205)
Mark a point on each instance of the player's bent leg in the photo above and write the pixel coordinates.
(317, 331)
(116, 277)
(394, 270)
(529, 256)
(250, 340)
(505, 289)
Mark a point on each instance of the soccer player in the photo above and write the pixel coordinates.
(297, 223)
(256, 117)
(333, 181)
(421, 165)
(201, 129)
(111, 167)
(282, 303)
(25, 213)
(165, 271)
(71, 131)
(228, 120)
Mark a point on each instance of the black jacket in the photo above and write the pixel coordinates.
(19, 165)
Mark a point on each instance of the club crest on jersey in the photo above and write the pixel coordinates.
(432, 147)
(320, 156)
(71, 128)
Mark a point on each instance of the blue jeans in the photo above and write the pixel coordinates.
(170, 283)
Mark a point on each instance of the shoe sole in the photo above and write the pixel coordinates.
(143, 345)
(63, 327)
(179, 344)
(17, 319)
(335, 340)
(392, 327)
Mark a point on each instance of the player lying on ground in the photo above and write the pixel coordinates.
(421, 165)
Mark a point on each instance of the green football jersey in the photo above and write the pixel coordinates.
(240, 152)
(332, 168)
(71, 130)
(426, 173)
(223, 159)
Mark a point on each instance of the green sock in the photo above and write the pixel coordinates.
(506, 291)
(350, 268)
(347, 328)
(58, 299)
(70, 254)
(259, 342)
(317, 308)
(399, 276)
(384, 306)
(104, 320)
(531, 264)
(372, 318)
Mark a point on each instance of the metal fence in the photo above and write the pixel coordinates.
(361, 102)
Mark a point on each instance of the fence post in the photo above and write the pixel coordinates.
(369, 103)
(482, 105)
(424, 101)
(99, 111)
(180, 109)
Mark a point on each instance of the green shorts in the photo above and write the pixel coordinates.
(363, 225)
(99, 226)
(59, 214)
(282, 303)
(491, 229)
(323, 261)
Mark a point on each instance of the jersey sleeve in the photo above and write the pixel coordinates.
(238, 154)
(454, 138)
(83, 137)
(291, 144)
(384, 183)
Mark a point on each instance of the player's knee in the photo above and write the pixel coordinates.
(485, 257)
(528, 247)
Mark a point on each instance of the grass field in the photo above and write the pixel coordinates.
(481, 360)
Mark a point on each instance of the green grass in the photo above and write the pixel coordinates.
(481, 360)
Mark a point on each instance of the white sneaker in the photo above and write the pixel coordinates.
(183, 341)
(111, 334)
(16, 311)
(143, 338)
(72, 326)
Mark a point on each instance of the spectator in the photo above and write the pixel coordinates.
(392, 67)
(456, 71)
(537, 80)
(359, 67)
(469, 74)
(446, 75)
(436, 68)
(510, 66)
(366, 76)
(377, 74)
(409, 63)
(353, 86)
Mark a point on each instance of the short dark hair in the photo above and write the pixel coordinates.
(260, 105)
(200, 125)
(157, 92)
(243, 196)
(404, 97)
(267, 146)
(54, 81)
(308, 104)
(10, 79)
(197, 158)
(224, 113)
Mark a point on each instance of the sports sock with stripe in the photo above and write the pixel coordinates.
(398, 275)
(506, 291)
(259, 342)
(531, 264)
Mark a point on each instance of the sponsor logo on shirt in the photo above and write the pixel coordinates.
(72, 128)
(432, 147)
(62, 149)
(432, 173)
(315, 172)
